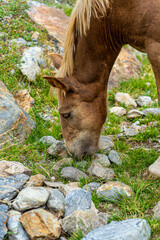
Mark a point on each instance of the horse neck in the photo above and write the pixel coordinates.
(94, 52)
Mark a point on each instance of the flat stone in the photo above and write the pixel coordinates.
(118, 111)
(24, 100)
(72, 173)
(114, 190)
(36, 181)
(155, 168)
(55, 185)
(152, 111)
(134, 113)
(30, 197)
(29, 62)
(53, 20)
(57, 148)
(97, 170)
(61, 163)
(10, 186)
(105, 143)
(18, 41)
(102, 159)
(132, 229)
(156, 210)
(17, 232)
(15, 123)
(79, 199)
(144, 101)
(56, 201)
(92, 186)
(41, 224)
(48, 140)
(114, 157)
(3, 220)
(10, 168)
(125, 98)
(84, 220)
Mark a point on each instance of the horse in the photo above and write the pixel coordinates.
(96, 32)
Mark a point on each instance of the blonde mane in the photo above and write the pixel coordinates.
(78, 25)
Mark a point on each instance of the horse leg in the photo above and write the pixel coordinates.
(153, 52)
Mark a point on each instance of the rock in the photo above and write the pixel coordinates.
(53, 20)
(102, 159)
(35, 35)
(144, 101)
(79, 199)
(84, 220)
(126, 66)
(132, 229)
(10, 186)
(114, 157)
(105, 143)
(152, 111)
(48, 140)
(155, 168)
(55, 185)
(72, 173)
(61, 163)
(133, 129)
(17, 232)
(36, 181)
(41, 224)
(66, 188)
(56, 201)
(3, 220)
(114, 190)
(125, 98)
(119, 111)
(18, 41)
(30, 197)
(10, 168)
(57, 148)
(41, 63)
(92, 186)
(15, 123)
(134, 114)
(156, 210)
(97, 170)
(29, 62)
(24, 100)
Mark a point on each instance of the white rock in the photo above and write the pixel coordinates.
(10, 168)
(144, 101)
(119, 111)
(134, 113)
(156, 210)
(125, 98)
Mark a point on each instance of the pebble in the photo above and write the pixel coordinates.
(114, 190)
(105, 143)
(156, 210)
(118, 111)
(56, 201)
(97, 170)
(144, 101)
(155, 168)
(79, 199)
(57, 148)
(30, 197)
(132, 229)
(3, 220)
(41, 63)
(10, 168)
(125, 98)
(92, 186)
(102, 159)
(72, 173)
(48, 140)
(114, 157)
(41, 224)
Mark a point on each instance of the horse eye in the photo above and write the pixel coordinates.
(66, 115)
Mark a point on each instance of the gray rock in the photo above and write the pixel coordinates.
(10, 168)
(18, 41)
(133, 129)
(41, 63)
(15, 123)
(156, 210)
(114, 190)
(57, 148)
(134, 113)
(72, 173)
(125, 98)
(29, 62)
(92, 186)
(48, 140)
(30, 197)
(15, 227)
(77, 200)
(152, 111)
(102, 159)
(132, 229)
(97, 170)
(56, 201)
(118, 111)
(10, 186)
(114, 157)
(105, 143)
(155, 168)
(3, 220)
(144, 101)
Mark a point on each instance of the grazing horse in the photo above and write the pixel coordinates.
(96, 33)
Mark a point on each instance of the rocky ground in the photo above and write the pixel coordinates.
(46, 194)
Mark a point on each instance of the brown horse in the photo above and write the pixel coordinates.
(96, 33)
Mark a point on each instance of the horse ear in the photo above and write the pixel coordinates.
(61, 83)
(56, 59)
